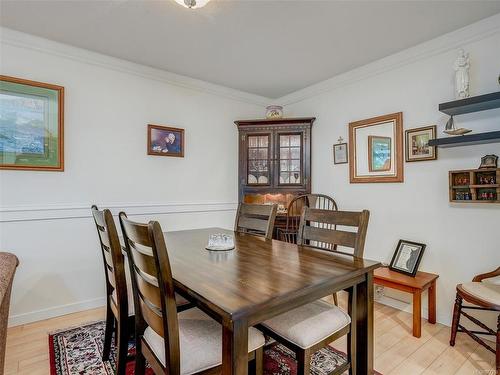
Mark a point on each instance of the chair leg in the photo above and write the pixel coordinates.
(456, 319)
(498, 345)
(303, 362)
(335, 299)
(122, 347)
(108, 333)
(259, 361)
(140, 361)
(351, 335)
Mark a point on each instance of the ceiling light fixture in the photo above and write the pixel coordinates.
(192, 4)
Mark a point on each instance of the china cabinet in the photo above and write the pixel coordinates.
(274, 160)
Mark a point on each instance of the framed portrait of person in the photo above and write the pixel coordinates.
(165, 141)
(407, 257)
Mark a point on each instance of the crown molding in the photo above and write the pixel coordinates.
(455, 39)
(19, 39)
(80, 211)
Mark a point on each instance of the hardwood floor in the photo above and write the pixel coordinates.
(396, 350)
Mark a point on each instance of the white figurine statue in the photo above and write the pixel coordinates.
(462, 66)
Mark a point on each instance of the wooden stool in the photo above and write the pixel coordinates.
(414, 285)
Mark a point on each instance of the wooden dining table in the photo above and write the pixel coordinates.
(262, 278)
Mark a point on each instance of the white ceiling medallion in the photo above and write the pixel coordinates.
(192, 4)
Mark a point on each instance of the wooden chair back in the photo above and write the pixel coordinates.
(315, 229)
(153, 285)
(294, 210)
(256, 219)
(114, 265)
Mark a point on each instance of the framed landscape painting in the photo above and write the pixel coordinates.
(379, 153)
(31, 125)
(417, 144)
(165, 141)
(376, 149)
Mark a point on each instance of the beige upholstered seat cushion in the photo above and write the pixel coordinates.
(200, 339)
(486, 291)
(309, 324)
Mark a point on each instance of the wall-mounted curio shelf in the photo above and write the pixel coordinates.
(475, 185)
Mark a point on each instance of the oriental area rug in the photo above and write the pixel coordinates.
(78, 350)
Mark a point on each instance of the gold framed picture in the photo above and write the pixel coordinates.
(31, 125)
(417, 144)
(376, 149)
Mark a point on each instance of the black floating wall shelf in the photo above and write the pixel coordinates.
(464, 140)
(473, 104)
(469, 105)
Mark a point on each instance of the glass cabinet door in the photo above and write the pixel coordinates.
(258, 159)
(290, 159)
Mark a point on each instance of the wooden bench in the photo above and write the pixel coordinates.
(414, 285)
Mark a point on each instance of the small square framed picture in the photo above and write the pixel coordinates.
(407, 257)
(340, 153)
(417, 144)
(165, 141)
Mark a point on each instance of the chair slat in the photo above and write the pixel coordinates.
(345, 218)
(107, 257)
(148, 287)
(318, 228)
(144, 262)
(104, 236)
(256, 209)
(328, 236)
(138, 234)
(153, 318)
(257, 218)
(111, 277)
(253, 224)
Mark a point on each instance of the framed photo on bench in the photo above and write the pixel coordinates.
(407, 257)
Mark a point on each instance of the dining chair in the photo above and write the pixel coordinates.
(119, 294)
(119, 297)
(256, 219)
(187, 342)
(484, 294)
(313, 326)
(294, 210)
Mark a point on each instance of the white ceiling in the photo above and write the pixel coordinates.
(269, 48)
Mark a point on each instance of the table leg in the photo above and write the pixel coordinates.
(432, 303)
(417, 313)
(235, 347)
(364, 326)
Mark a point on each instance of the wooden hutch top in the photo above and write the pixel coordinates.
(274, 159)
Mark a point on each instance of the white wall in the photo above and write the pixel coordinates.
(462, 240)
(45, 216)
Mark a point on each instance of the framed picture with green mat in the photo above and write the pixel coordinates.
(31, 125)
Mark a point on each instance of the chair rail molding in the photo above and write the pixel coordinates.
(28, 41)
(80, 211)
(450, 41)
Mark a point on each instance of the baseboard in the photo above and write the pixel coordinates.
(52, 312)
